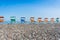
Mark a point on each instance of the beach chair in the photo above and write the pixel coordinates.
(32, 19)
(57, 19)
(22, 19)
(39, 19)
(1, 19)
(13, 19)
(52, 20)
(46, 20)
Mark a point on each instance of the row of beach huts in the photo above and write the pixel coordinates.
(32, 19)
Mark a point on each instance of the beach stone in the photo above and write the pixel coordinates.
(30, 31)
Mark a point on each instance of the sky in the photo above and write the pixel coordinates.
(29, 8)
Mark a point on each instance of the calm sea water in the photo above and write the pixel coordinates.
(18, 22)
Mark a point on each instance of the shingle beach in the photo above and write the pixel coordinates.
(30, 31)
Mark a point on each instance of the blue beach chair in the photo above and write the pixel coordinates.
(22, 20)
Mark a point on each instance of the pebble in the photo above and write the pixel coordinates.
(32, 33)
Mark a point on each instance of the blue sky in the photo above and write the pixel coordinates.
(28, 8)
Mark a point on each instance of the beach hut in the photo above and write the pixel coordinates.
(46, 20)
(22, 19)
(57, 19)
(31, 19)
(1, 19)
(39, 19)
(13, 19)
(52, 20)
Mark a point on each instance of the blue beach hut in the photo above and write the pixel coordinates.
(22, 19)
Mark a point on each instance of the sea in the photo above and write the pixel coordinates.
(27, 22)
